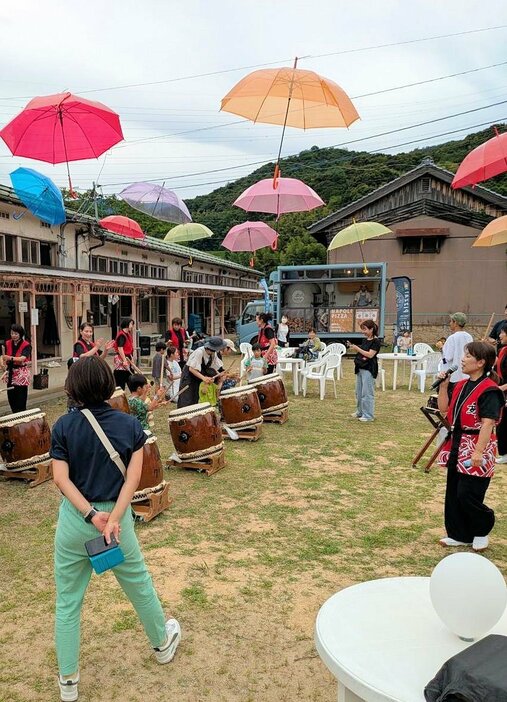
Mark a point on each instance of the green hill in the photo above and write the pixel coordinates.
(339, 176)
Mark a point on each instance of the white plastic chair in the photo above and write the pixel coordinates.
(430, 367)
(282, 367)
(419, 349)
(339, 350)
(324, 370)
(246, 350)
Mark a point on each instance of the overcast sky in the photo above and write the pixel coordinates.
(93, 48)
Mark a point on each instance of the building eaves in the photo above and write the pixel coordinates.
(426, 168)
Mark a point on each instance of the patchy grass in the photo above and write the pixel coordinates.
(244, 559)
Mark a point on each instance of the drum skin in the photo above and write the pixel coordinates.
(118, 401)
(196, 432)
(241, 408)
(23, 436)
(271, 391)
(153, 470)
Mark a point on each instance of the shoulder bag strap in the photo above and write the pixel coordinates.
(113, 454)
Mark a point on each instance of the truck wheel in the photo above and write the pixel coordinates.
(255, 340)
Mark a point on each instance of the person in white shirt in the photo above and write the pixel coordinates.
(454, 347)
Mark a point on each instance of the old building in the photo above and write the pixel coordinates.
(53, 278)
(433, 228)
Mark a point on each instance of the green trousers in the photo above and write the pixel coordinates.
(72, 575)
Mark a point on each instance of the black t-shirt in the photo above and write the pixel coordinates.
(80, 347)
(92, 471)
(503, 368)
(268, 333)
(369, 364)
(27, 351)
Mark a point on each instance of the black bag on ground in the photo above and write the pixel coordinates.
(477, 674)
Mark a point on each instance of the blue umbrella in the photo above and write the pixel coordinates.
(39, 194)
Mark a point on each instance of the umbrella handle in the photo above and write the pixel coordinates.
(276, 176)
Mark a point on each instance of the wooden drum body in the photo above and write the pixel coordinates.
(271, 392)
(25, 439)
(153, 470)
(118, 401)
(195, 431)
(241, 407)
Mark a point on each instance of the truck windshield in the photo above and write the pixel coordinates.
(249, 313)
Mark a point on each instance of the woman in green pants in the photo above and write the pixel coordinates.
(96, 499)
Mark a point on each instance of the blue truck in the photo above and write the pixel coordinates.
(333, 299)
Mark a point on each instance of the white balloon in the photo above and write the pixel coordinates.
(468, 593)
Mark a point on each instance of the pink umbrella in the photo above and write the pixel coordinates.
(61, 128)
(484, 162)
(287, 195)
(250, 236)
(122, 225)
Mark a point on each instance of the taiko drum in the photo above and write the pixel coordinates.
(195, 431)
(25, 438)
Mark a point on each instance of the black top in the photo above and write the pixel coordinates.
(490, 402)
(82, 346)
(503, 368)
(369, 364)
(90, 468)
(496, 329)
(27, 351)
(121, 340)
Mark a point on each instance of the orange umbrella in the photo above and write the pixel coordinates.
(290, 97)
(494, 234)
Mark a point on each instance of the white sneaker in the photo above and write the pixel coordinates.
(355, 415)
(447, 541)
(480, 543)
(68, 688)
(365, 419)
(501, 459)
(165, 653)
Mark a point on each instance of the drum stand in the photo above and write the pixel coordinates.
(208, 465)
(438, 422)
(151, 502)
(247, 433)
(279, 417)
(36, 473)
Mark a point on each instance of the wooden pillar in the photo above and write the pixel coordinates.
(222, 317)
(74, 315)
(33, 332)
(212, 315)
(136, 333)
(169, 309)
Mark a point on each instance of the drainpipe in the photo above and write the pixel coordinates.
(97, 246)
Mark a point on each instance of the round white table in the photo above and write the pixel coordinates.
(396, 358)
(384, 642)
(295, 364)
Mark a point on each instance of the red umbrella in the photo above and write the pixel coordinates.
(487, 160)
(122, 225)
(61, 128)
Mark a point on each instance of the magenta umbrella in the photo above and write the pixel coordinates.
(250, 236)
(287, 195)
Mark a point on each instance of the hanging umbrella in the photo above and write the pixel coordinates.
(122, 225)
(188, 232)
(156, 201)
(494, 234)
(250, 236)
(486, 161)
(290, 97)
(286, 195)
(39, 194)
(61, 128)
(357, 233)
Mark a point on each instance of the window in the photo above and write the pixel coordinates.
(46, 253)
(7, 248)
(123, 268)
(45, 225)
(148, 312)
(99, 264)
(140, 270)
(30, 251)
(421, 244)
(125, 306)
(113, 266)
(98, 303)
(250, 311)
(159, 272)
(425, 185)
(4, 215)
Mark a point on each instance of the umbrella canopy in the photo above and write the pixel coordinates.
(250, 236)
(356, 233)
(61, 128)
(156, 201)
(290, 96)
(122, 225)
(286, 195)
(494, 234)
(487, 160)
(39, 194)
(188, 232)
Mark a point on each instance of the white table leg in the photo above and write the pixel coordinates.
(295, 378)
(346, 695)
(395, 372)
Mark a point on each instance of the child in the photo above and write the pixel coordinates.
(140, 405)
(256, 366)
(157, 363)
(440, 343)
(209, 392)
(309, 349)
(173, 371)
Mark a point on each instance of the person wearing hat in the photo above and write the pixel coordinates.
(454, 347)
(198, 367)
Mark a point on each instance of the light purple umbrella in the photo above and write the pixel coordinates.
(289, 195)
(156, 201)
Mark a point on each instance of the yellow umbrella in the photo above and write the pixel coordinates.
(494, 234)
(187, 232)
(356, 233)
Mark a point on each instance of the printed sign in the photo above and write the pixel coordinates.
(34, 316)
(341, 320)
(363, 314)
(403, 288)
(23, 307)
